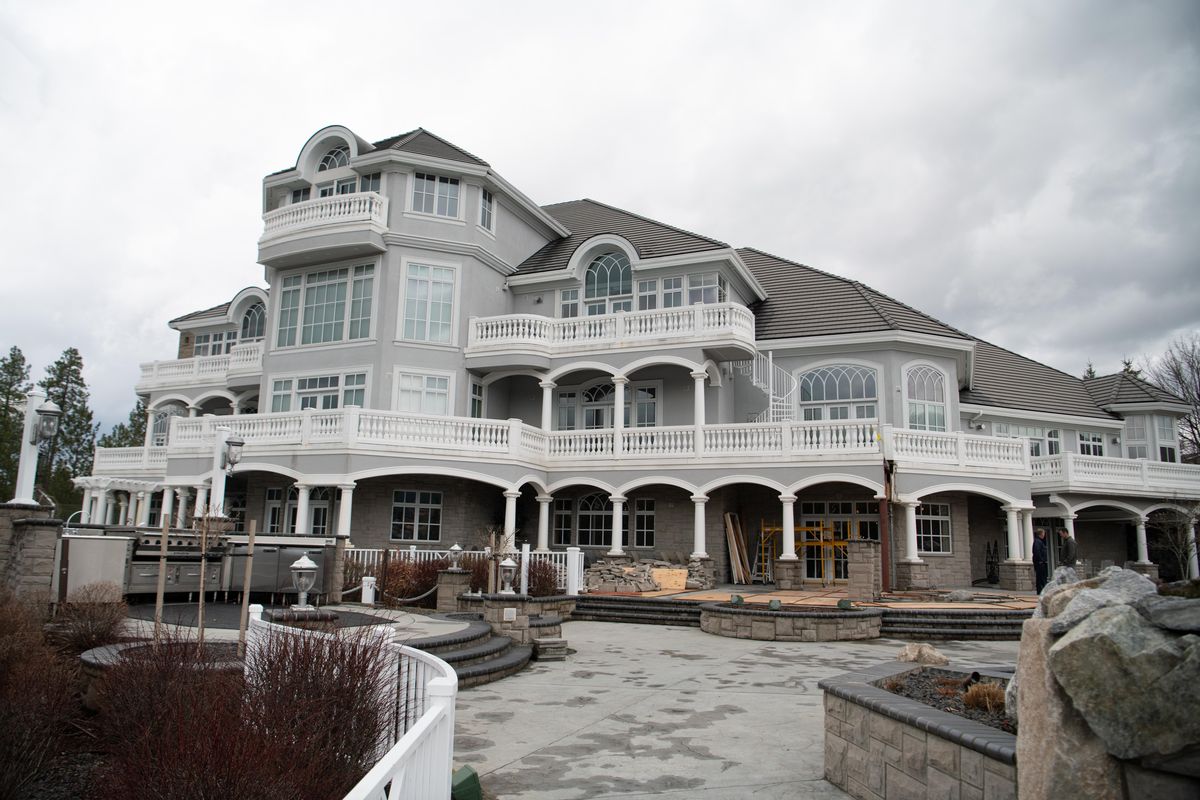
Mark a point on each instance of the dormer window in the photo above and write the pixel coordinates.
(254, 323)
(336, 157)
(608, 285)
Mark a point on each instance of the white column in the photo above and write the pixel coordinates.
(101, 515)
(1069, 524)
(193, 411)
(86, 508)
(510, 520)
(698, 526)
(149, 428)
(910, 533)
(143, 515)
(619, 413)
(217, 497)
(110, 511)
(789, 527)
(181, 512)
(168, 505)
(618, 523)
(345, 509)
(547, 403)
(27, 459)
(1193, 562)
(1027, 528)
(201, 508)
(302, 491)
(1014, 534)
(543, 539)
(1143, 550)
(698, 412)
(123, 508)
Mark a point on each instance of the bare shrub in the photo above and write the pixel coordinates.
(478, 566)
(985, 696)
(404, 578)
(38, 702)
(352, 574)
(91, 617)
(543, 579)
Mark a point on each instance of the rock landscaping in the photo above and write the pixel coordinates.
(951, 692)
(617, 576)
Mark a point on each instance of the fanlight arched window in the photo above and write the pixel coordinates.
(839, 391)
(594, 520)
(926, 395)
(160, 427)
(336, 157)
(254, 323)
(608, 284)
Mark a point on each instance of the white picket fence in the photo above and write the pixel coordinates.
(371, 561)
(417, 752)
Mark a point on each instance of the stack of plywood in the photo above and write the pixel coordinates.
(739, 555)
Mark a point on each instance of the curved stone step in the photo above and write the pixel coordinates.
(645, 618)
(476, 631)
(511, 661)
(491, 647)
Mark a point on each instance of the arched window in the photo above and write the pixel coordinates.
(336, 157)
(598, 404)
(840, 391)
(608, 284)
(160, 429)
(254, 323)
(594, 520)
(926, 393)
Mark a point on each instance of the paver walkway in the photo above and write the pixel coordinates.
(642, 711)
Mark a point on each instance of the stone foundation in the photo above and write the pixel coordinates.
(1016, 576)
(28, 538)
(911, 575)
(703, 572)
(790, 626)
(451, 583)
(789, 574)
(864, 570)
(1149, 570)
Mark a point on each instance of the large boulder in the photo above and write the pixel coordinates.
(1058, 755)
(1171, 613)
(921, 653)
(1114, 586)
(1135, 686)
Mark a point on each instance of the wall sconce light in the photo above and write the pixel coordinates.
(48, 414)
(233, 453)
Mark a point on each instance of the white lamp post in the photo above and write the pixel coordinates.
(227, 452)
(41, 424)
(304, 575)
(508, 568)
(455, 557)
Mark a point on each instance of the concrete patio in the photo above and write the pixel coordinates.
(642, 711)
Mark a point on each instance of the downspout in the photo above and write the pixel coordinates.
(885, 528)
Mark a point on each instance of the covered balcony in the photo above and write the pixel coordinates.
(724, 330)
(1071, 472)
(338, 226)
(241, 366)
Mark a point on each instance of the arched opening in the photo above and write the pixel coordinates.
(160, 425)
(608, 284)
(254, 323)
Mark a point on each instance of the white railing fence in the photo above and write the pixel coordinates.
(965, 450)
(358, 207)
(1101, 471)
(416, 753)
(246, 357)
(370, 562)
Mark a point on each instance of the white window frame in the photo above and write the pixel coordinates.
(487, 210)
(1165, 429)
(568, 303)
(579, 405)
(455, 302)
(292, 392)
(299, 282)
(1141, 451)
(425, 500)
(641, 522)
(456, 181)
(213, 343)
(402, 372)
(929, 518)
(700, 285)
(905, 371)
(477, 401)
(1091, 443)
(855, 409)
(1135, 428)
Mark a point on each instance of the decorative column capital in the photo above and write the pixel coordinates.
(698, 375)
(512, 494)
(548, 384)
(620, 380)
(545, 498)
(347, 487)
(617, 498)
(699, 499)
(787, 499)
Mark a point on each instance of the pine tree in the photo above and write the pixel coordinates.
(1129, 369)
(1090, 372)
(131, 433)
(69, 454)
(14, 385)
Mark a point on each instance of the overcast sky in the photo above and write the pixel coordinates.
(1026, 171)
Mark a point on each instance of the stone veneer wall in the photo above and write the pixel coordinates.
(28, 537)
(880, 746)
(790, 626)
(532, 614)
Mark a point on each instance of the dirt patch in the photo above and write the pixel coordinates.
(947, 691)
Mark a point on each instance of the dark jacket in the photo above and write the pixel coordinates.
(1066, 552)
(1039, 551)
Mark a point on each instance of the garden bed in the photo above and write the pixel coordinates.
(944, 690)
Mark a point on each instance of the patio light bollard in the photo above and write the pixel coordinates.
(508, 568)
(304, 575)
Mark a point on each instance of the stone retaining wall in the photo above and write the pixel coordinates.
(790, 626)
(880, 746)
(28, 537)
(531, 614)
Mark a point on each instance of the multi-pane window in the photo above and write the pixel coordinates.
(866, 520)
(596, 406)
(1165, 428)
(336, 157)
(706, 287)
(161, 429)
(643, 522)
(563, 508)
(422, 394)
(487, 209)
(354, 390)
(608, 284)
(428, 303)
(214, 344)
(926, 399)
(274, 511)
(568, 303)
(319, 392)
(645, 407)
(254, 323)
(933, 528)
(369, 183)
(477, 394)
(842, 391)
(567, 402)
(416, 516)
(1053, 442)
(1091, 443)
(1038, 437)
(1139, 451)
(1135, 428)
(595, 521)
(281, 395)
(433, 194)
(672, 293)
(329, 297)
(647, 295)
(300, 195)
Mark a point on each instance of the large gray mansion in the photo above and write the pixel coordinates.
(436, 355)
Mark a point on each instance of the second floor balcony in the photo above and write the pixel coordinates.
(338, 226)
(724, 329)
(1071, 472)
(241, 366)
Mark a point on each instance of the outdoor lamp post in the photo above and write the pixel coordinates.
(304, 575)
(508, 568)
(227, 452)
(41, 424)
(455, 557)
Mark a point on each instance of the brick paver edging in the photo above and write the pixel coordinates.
(790, 624)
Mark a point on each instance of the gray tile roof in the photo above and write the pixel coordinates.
(803, 301)
(588, 218)
(422, 142)
(1121, 387)
(215, 311)
(1008, 380)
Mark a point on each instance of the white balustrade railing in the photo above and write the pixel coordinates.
(240, 358)
(118, 459)
(370, 561)
(965, 450)
(663, 441)
(746, 439)
(579, 444)
(552, 333)
(1071, 469)
(359, 207)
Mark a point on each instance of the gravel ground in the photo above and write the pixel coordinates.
(927, 685)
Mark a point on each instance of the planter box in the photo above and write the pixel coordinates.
(881, 746)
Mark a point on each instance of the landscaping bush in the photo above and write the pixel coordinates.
(352, 574)
(478, 566)
(91, 617)
(985, 696)
(403, 579)
(543, 579)
(38, 702)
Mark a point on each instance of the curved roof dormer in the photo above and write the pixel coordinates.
(329, 150)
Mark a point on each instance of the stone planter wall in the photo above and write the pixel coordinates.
(880, 746)
(534, 616)
(790, 626)
(27, 541)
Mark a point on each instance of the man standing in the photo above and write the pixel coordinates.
(1066, 549)
(1041, 562)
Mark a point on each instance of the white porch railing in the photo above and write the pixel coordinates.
(1067, 470)
(553, 334)
(371, 560)
(342, 208)
(417, 755)
(961, 449)
(123, 459)
(244, 358)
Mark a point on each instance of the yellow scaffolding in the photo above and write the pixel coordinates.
(827, 550)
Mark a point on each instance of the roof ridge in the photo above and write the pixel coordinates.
(862, 290)
(653, 221)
